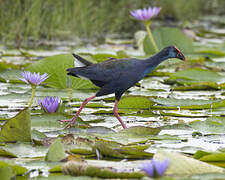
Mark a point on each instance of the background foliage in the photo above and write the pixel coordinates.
(23, 20)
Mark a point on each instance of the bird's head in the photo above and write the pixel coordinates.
(174, 52)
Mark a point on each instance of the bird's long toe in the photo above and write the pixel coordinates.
(65, 120)
(70, 124)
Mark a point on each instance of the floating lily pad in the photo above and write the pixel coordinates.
(6, 173)
(212, 125)
(5, 153)
(83, 169)
(136, 102)
(55, 152)
(82, 146)
(116, 150)
(11, 75)
(172, 103)
(184, 165)
(215, 158)
(37, 136)
(56, 67)
(176, 37)
(198, 75)
(17, 128)
(16, 169)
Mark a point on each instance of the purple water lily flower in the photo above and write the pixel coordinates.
(50, 104)
(155, 168)
(33, 79)
(145, 14)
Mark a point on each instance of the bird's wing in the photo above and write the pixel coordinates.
(80, 62)
(106, 71)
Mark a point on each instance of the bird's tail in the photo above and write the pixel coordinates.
(80, 62)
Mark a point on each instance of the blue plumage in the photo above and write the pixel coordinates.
(118, 75)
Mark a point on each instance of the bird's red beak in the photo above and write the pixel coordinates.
(180, 56)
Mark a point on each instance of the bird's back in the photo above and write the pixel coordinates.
(107, 71)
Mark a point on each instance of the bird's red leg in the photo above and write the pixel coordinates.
(71, 122)
(115, 110)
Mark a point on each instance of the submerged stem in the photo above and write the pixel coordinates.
(32, 95)
(147, 26)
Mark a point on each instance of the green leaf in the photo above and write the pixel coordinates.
(56, 67)
(5, 153)
(82, 146)
(55, 152)
(10, 75)
(199, 154)
(167, 37)
(6, 173)
(208, 176)
(212, 125)
(213, 157)
(181, 165)
(46, 121)
(56, 169)
(16, 169)
(116, 150)
(198, 75)
(217, 159)
(141, 131)
(173, 103)
(37, 136)
(135, 102)
(17, 128)
(83, 169)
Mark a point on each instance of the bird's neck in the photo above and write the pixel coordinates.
(157, 59)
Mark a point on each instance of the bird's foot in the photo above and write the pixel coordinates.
(65, 120)
(70, 124)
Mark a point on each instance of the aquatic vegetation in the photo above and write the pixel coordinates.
(146, 15)
(155, 168)
(49, 104)
(179, 107)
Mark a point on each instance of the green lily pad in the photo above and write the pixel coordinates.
(37, 136)
(181, 165)
(17, 128)
(82, 146)
(176, 37)
(135, 102)
(200, 154)
(116, 150)
(209, 176)
(198, 75)
(83, 169)
(25, 150)
(11, 75)
(56, 67)
(6, 173)
(132, 135)
(173, 103)
(215, 158)
(212, 125)
(55, 152)
(5, 153)
(50, 121)
(16, 169)
(141, 131)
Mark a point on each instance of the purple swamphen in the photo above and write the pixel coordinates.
(117, 75)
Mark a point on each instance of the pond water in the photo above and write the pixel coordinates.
(185, 99)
